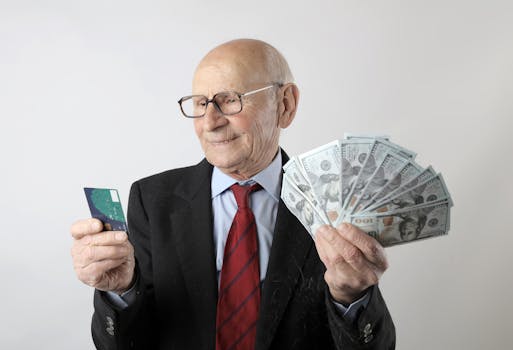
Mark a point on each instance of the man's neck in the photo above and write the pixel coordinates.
(242, 175)
(269, 178)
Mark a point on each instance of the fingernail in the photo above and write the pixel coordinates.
(343, 226)
(328, 233)
(95, 225)
(322, 230)
(120, 236)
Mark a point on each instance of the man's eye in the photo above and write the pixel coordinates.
(228, 100)
(201, 103)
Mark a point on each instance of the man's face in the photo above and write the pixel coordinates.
(308, 214)
(245, 143)
(332, 191)
(410, 231)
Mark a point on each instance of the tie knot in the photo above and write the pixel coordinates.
(242, 193)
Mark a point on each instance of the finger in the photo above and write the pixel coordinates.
(350, 281)
(338, 250)
(370, 248)
(94, 274)
(348, 272)
(91, 254)
(108, 238)
(85, 227)
(319, 245)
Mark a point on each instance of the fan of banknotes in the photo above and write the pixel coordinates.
(371, 183)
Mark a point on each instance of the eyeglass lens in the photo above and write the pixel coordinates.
(227, 102)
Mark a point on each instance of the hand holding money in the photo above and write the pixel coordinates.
(354, 261)
(369, 182)
(102, 259)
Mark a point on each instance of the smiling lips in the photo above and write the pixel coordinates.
(224, 141)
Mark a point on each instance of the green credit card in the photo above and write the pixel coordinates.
(105, 206)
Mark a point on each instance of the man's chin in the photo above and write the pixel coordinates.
(224, 163)
(236, 168)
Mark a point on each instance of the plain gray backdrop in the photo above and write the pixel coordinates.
(88, 93)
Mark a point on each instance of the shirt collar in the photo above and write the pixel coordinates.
(269, 179)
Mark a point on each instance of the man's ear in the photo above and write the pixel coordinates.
(287, 105)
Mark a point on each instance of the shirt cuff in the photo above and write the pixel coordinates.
(125, 299)
(351, 312)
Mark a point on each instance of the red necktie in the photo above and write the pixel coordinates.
(239, 290)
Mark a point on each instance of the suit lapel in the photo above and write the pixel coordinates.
(290, 247)
(192, 229)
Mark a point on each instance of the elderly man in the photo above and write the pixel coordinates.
(219, 260)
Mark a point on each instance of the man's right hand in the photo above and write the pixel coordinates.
(102, 259)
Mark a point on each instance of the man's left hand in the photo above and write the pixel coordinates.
(354, 261)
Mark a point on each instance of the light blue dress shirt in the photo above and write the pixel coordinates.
(264, 204)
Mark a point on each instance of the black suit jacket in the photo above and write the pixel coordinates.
(170, 224)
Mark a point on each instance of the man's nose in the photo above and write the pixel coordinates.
(213, 118)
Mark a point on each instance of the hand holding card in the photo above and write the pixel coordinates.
(103, 257)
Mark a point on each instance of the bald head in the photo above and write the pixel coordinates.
(255, 60)
(243, 143)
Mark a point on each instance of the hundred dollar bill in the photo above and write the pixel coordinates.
(431, 190)
(407, 173)
(353, 152)
(296, 175)
(323, 170)
(352, 136)
(380, 148)
(301, 207)
(426, 174)
(388, 168)
(406, 225)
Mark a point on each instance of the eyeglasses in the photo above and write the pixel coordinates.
(226, 102)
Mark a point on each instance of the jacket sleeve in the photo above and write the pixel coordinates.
(114, 328)
(373, 328)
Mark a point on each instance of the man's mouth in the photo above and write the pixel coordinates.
(223, 141)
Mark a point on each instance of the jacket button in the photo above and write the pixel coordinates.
(368, 338)
(367, 329)
(367, 333)
(110, 325)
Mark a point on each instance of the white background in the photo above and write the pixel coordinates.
(88, 93)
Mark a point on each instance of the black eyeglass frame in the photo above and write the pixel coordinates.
(212, 100)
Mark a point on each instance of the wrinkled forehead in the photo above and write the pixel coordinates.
(227, 73)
